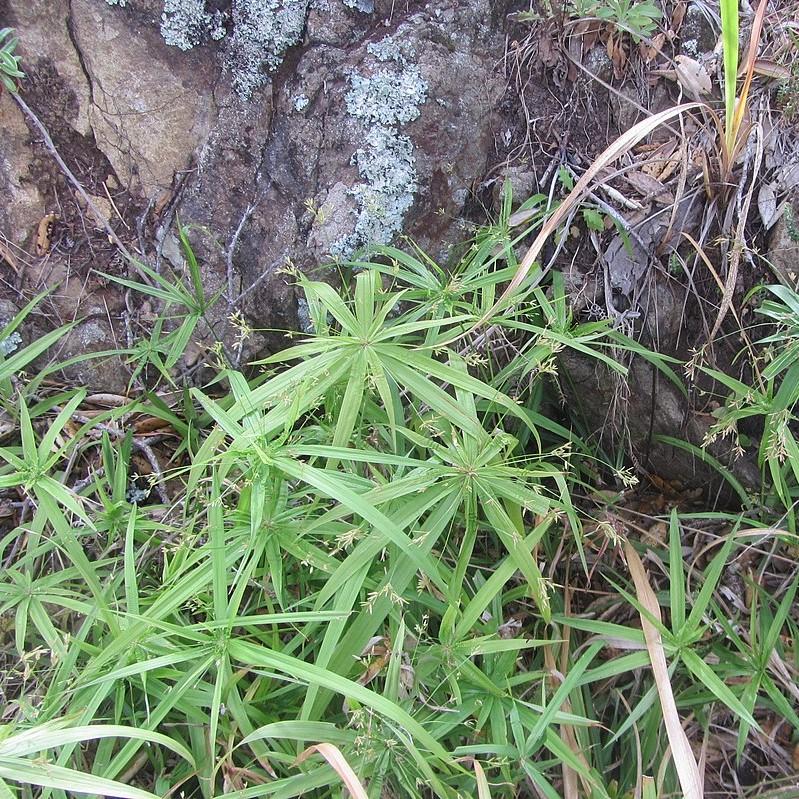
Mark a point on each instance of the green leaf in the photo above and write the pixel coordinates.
(252, 655)
(50, 736)
(710, 680)
(676, 576)
(593, 220)
(46, 775)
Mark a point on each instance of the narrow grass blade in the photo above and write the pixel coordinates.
(38, 739)
(676, 576)
(253, 655)
(301, 731)
(46, 775)
(729, 39)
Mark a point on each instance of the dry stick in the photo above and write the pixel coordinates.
(681, 182)
(248, 212)
(134, 768)
(339, 764)
(48, 143)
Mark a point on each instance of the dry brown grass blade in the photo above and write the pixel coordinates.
(710, 268)
(483, 788)
(583, 187)
(684, 761)
(570, 781)
(483, 791)
(779, 669)
(339, 764)
(8, 256)
(727, 292)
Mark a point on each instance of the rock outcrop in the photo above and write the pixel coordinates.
(278, 131)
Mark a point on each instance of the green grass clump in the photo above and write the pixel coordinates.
(639, 19)
(379, 541)
(9, 63)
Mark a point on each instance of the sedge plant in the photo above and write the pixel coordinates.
(352, 573)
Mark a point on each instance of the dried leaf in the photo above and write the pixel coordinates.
(768, 69)
(43, 233)
(407, 678)
(649, 186)
(767, 205)
(571, 72)
(617, 55)
(483, 789)
(162, 202)
(682, 754)
(662, 159)
(548, 51)
(586, 33)
(372, 670)
(669, 167)
(151, 424)
(340, 765)
(520, 217)
(677, 16)
(8, 256)
(692, 76)
(376, 645)
(649, 52)
(788, 177)
(107, 400)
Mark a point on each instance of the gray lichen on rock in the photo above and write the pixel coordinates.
(383, 101)
(387, 98)
(388, 170)
(10, 344)
(364, 6)
(262, 32)
(185, 23)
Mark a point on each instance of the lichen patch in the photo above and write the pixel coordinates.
(389, 97)
(263, 30)
(185, 23)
